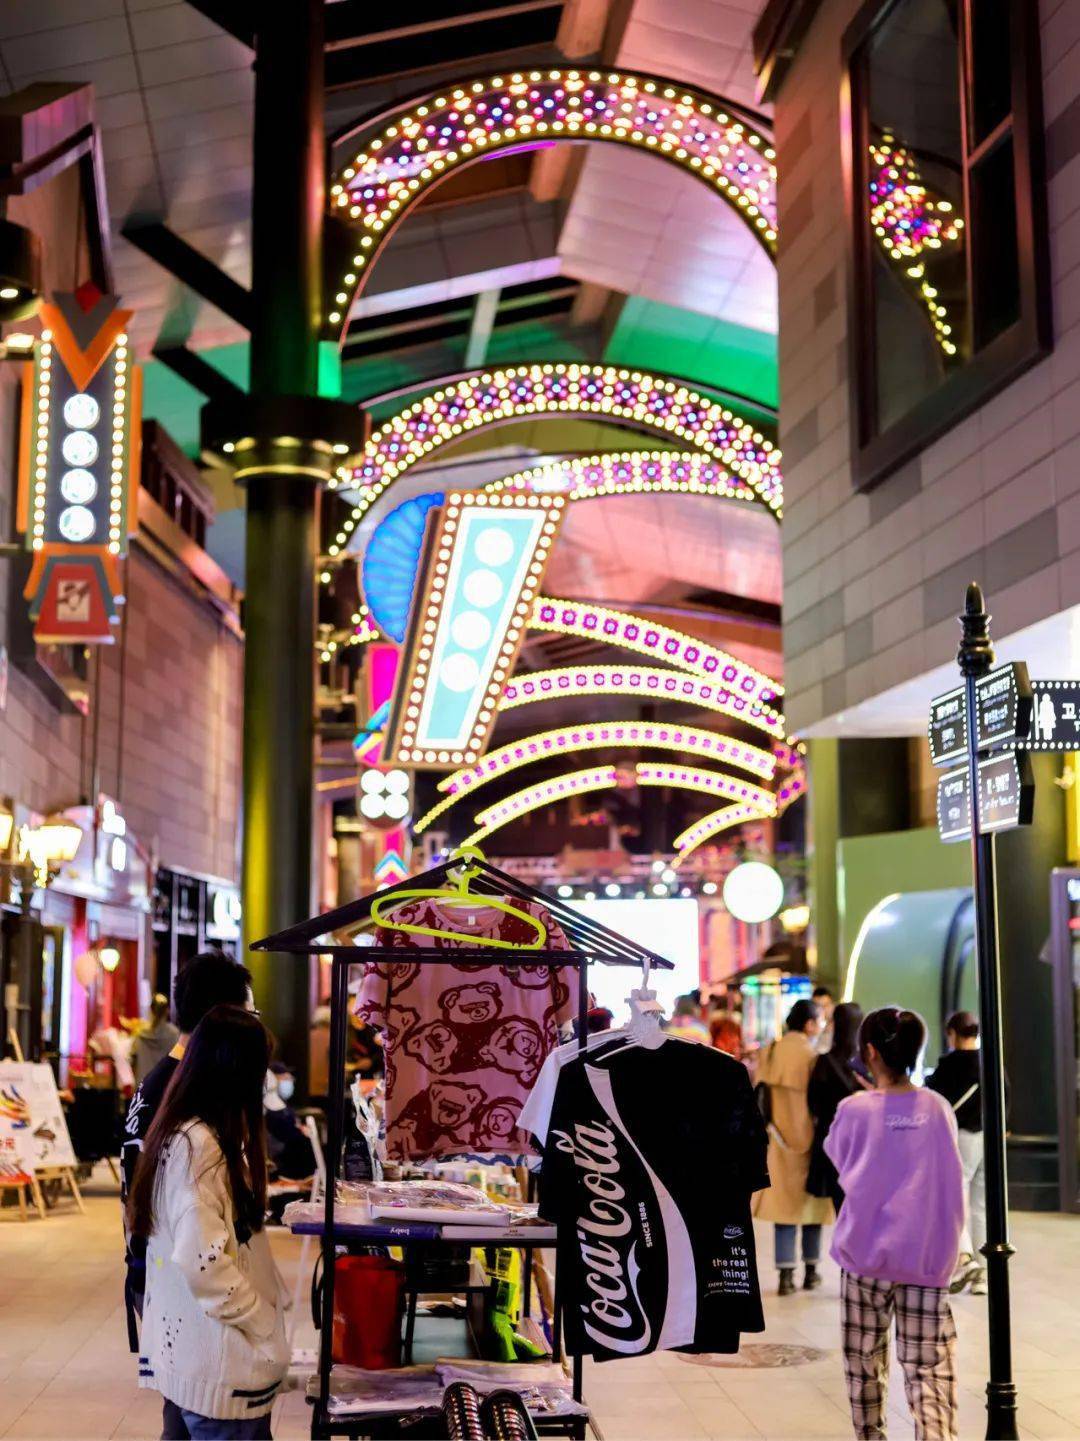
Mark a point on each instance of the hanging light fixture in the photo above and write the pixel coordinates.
(57, 840)
(109, 956)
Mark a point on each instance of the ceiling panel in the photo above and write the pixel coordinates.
(676, 242)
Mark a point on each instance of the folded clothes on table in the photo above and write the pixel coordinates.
(406, 1388)
(543, 1386)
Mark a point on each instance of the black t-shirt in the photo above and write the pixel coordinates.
(956, 1073)
(142, 1110)
(652, 1156)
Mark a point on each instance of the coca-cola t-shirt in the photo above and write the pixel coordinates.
(464, 1040)
(651, 1158)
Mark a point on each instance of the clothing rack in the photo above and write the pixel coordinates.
(591, 943)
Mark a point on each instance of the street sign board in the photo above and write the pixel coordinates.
(1002, 707)
(1006, 797)
(948, 727)
(1055, 722)
(954, 807)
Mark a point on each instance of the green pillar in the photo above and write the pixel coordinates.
(823, 832)
(282, 511)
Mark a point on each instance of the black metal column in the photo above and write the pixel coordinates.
(975, 658)
(282, 511)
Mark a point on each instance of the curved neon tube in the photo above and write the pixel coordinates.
(646, 637)
(403, 154)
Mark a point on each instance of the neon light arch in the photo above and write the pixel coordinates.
(403, 154)
(647, 637)
(716, 821)
(750, 803)
(632, 472)
(611, 735)
(667, 408)
(391, 556)
(643, 682)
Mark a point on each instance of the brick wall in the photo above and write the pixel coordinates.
(873, 582)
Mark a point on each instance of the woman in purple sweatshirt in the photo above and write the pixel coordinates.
(898, 1234)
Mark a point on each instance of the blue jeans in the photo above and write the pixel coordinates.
(785, 1246)
(180, 1425)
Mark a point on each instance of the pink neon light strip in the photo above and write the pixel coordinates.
(618, 733)
(617, 627)
(634, 472)
(715, 822)
(523, 801)
(710, 782)
(646, 681)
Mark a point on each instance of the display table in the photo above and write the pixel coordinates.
(590, 943)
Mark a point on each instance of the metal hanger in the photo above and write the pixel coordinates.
(460, 895)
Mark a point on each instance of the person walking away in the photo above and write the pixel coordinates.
(213, 1339)
(784, 1072)
(836, 1075)
(823, 998)
(957, 1078)
(154, 1042)
(208, 979)
(898, 1233)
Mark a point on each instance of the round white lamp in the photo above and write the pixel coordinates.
(753, 892)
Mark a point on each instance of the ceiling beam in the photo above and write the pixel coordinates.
(483, 321)
(197, 372)
(342, 18)
(472, 41)
(191, 268)
(236, 17)
(582, 28)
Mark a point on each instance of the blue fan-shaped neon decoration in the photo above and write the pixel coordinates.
(391, 561)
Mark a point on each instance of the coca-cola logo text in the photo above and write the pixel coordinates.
(614, 1316)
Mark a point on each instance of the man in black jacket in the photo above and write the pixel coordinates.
(207, 980)
(957, 1078)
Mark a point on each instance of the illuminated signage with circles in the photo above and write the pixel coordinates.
(484, 560)
(79, 465)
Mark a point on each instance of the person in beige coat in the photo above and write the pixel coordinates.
(785, 1068)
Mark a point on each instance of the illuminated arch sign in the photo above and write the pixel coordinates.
(483, 564)
(669, 409)
(404, 154)
(643, 682)
(634, 472)
(79, 465)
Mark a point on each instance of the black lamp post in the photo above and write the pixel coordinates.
(975, 658)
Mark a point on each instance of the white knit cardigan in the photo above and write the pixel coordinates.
(213, 1334)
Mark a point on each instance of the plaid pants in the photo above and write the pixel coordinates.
(925, 1345)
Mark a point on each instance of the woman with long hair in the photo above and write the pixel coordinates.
(213, 1338)
(898, 1234)
(837, 1074)
(785, 1068)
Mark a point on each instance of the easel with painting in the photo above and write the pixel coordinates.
(35, 1146)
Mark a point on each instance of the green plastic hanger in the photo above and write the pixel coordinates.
(459, 896)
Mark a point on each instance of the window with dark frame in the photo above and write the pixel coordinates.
(949, 296)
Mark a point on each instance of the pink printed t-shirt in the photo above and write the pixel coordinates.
(464, 1041)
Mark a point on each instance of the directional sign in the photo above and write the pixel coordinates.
(1055, 724)
(1006, 797)
(954, 807)
(1002, 707)
(948, 727)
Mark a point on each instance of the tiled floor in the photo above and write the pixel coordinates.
(65, 1370)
